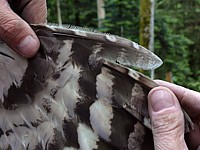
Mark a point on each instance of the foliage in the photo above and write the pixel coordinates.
(74, 12)
(52, 12)
(122, 18)
(175, 34)
(177, 30)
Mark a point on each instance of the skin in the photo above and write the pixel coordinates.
(14, 29)
(167, 117)
(164, 101)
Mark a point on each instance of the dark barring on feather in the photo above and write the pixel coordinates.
(77, 92)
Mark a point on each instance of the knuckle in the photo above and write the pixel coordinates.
(168, 122)
(10, 28)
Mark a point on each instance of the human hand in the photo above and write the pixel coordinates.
(167, 117)
(14, 29)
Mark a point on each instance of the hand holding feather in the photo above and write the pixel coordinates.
(76, 93)
(170, 119)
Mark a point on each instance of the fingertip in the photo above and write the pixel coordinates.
(166, 119)
(160, 98)
(28, 46)
(164, 106)
(26, 43)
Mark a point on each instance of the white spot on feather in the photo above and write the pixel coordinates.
(20, 136)
(111, 38)
(104, 83)
(136, 138)
(135, 45)
(12, 69)
(69, 87)
(93, 58)
(122, 56)
(101, 114)
(80, 33)
(133, 74)
(87, 139)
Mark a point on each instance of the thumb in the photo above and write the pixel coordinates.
(17, 33)
(167, 119)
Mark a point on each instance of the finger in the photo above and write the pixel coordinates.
(167, 119)
(33, 11)
(16, 32)
(189, 99)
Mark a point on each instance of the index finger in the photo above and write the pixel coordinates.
(189, 99)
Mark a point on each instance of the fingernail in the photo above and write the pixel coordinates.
(28, 46)
(161, 99)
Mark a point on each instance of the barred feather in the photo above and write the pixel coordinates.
(75, 93)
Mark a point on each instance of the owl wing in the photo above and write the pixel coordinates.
(75, 93)
(107, 46)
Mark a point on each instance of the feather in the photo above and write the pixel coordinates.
(121, 50)
(76, 93)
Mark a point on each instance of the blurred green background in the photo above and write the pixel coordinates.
(176, 30)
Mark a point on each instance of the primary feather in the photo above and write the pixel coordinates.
(76, 93)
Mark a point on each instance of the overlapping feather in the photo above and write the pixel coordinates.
(76, 93)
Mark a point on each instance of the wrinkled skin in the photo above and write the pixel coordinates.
(14, 30)
(14, 19)
(167, 123)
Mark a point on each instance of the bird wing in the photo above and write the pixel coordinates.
(75, 93)
(111, 47)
